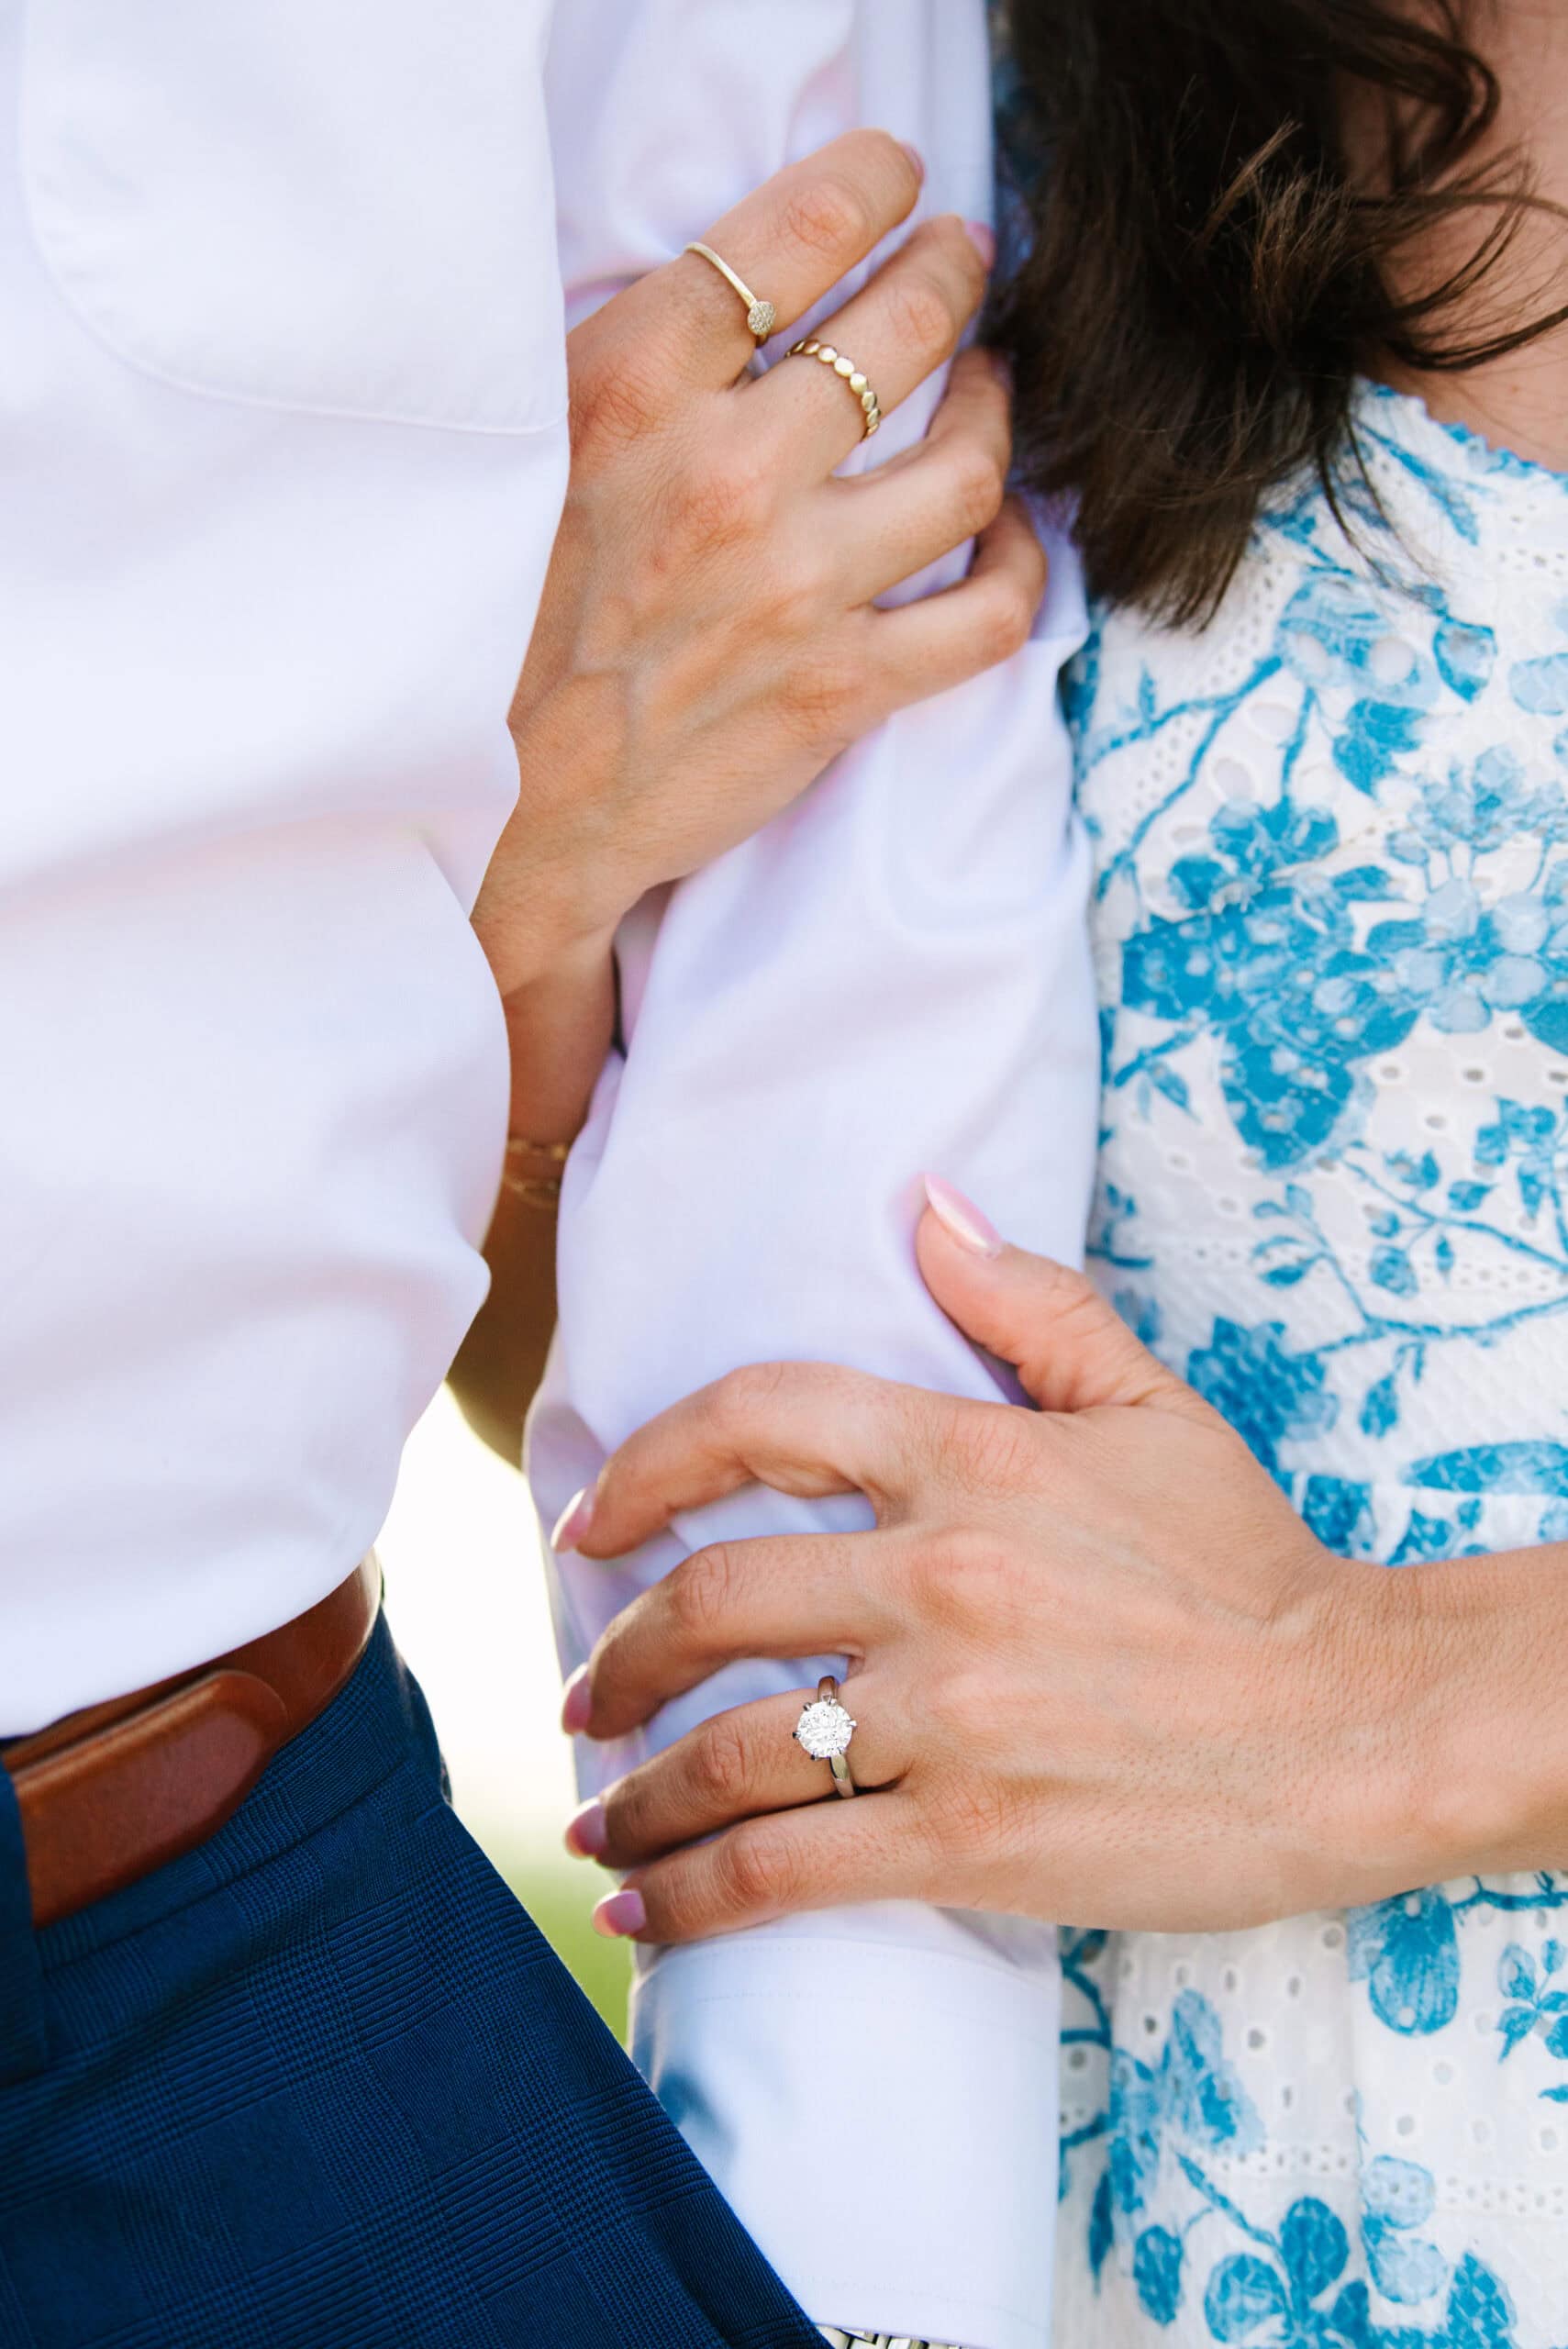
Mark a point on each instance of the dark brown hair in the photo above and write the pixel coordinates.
(1202, 283)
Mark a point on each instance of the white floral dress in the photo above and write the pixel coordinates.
(1332, 929)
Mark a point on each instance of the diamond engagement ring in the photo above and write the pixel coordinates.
(824, 1731)
(761, 316)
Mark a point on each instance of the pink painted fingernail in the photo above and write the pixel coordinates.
(619, 1914)
(577, 1704)
(572, 1523)
(960, 1218)
(916, 158)
(983, 240)
(588, 1831)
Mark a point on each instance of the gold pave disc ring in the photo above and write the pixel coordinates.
(761, 316)
(871, 406)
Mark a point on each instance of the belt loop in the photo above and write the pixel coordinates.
(24, 2040)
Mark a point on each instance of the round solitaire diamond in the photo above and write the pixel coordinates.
(760, 317)
(824, 1729)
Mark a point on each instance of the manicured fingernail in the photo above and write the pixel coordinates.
(572, 1523)
(619, 1914)
(962, 1218)
(577, 1704)
(983, 239)
(916, 158)
(589, 1832)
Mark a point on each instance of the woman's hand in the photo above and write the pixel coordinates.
(1102, 1671)
(708, 637)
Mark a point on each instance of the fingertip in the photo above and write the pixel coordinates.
(1010, 553)
(577, 1703)
(620, 1916)
(983, 238)
(573, 1525)
(957, 1216)
(587, 1834)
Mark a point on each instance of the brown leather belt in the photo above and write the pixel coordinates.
(110, 1793)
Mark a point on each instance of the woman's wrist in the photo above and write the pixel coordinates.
(559, 883)
(1465, 1664)
(559, 1028)
(1501, 1623)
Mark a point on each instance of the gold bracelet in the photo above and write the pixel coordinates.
(537, 1184)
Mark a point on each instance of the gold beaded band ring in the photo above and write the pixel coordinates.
(871, 406)
(761, 316)
(532, 1171)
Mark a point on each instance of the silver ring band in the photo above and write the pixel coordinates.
(838, 2337)
(824, 1731)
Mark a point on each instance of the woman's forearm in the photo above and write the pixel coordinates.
(559, 1028)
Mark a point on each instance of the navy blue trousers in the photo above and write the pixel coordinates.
(321, 2085)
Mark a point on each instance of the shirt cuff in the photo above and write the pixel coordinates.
(882, 2117)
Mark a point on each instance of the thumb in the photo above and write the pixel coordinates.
(1069, 1348)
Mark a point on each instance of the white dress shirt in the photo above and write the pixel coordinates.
(894, 976)
(282, 451)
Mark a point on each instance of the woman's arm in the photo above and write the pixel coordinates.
(1101, 1669)
(710, 635)
(558, 1028)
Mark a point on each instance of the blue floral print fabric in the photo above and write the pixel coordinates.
(1331, 910)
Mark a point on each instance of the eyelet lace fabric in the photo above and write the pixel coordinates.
(1331, 909)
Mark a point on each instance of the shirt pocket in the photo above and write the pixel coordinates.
(321, 205)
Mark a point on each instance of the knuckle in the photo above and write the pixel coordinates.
(921, 311)
(886, 166)
(978, 486)
(701, 1590)
(1003, 622)
(970, 1811)
(924, 1584)
(743, 1396)
(794, 601)
(756, 1872)
(1075, 1303)
(973, 1578)
(829, 215)
(823, 696)
(720, 501)
(720, 1768)
(619, 396)
(959, 258)
(966, 1698)
(993, 1447)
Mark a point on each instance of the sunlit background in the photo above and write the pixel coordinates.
(465, 1597)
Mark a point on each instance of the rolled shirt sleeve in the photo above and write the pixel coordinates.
(893, 976)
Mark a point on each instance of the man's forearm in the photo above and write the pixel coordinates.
(559, 1028)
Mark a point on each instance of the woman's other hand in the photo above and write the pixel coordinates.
(709, 637)
(1102, 1671)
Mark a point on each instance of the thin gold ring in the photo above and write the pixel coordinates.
(871, 406)
(761, 316)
